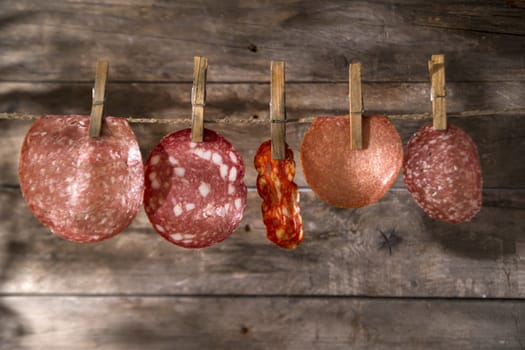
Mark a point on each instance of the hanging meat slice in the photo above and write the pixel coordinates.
(442, 172)
(280, 207)
(84, 189)
(195, 194)
(348, 178)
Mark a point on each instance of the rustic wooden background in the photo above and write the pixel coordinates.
(441, 287)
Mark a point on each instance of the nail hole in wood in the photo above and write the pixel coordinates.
(252, 48)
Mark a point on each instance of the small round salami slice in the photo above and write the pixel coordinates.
(280, 206)
(84, 189)
(442, 172)
(348, 178)
(195, 193)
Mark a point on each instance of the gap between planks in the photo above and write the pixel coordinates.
(257, 296)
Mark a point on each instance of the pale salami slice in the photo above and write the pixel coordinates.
(442, 172)
(195, 193)
(84, 189)
(351, 178)
(280, 206)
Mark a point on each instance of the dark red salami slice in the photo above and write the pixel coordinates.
(351, 178)
(195, 193)
(84, 189)
(443, 173)
(280, 207)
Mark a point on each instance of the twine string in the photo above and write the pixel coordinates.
(305, 120)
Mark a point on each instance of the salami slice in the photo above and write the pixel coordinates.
(84, 189)
(280, 207)
(195, 193)
(351, 178)
(442, 172)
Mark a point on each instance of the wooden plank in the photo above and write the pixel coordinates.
(59, 40)
(248, 100)
(499, 138)
(472, 17)
(343, 254)
(259, 323)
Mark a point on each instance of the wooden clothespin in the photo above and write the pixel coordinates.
(99, 95)
(436, 68)
(355, 99)
(278, 111)
(198, 97)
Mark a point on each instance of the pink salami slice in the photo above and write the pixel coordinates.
(84, 189)
(345, 178)
(442, 171)
(195, 193)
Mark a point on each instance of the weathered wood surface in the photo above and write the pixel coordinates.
(155, 41)
(343, 254)
(126, 293)
(115, 323)
(500, 139)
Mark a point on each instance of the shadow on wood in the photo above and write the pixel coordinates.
(11, 325)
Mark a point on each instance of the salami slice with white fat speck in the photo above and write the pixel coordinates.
(442, 171)
(195, 193)
(84, 189)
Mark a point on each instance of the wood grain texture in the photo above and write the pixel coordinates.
(343, 253)
(115, 323)
(155, 41)
(499, 138)
(137, 291)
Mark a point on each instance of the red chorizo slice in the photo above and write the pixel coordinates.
(195, 194)
(84, 189)
(443, 173)
(280, 207)
(351, 178)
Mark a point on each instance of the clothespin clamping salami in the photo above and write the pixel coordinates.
(198, 97)
(99, 94)
(436, 69)
(275, 173)
(209, 207)
(355, 178)
(355, 100)
(278, 111)
(442, 169)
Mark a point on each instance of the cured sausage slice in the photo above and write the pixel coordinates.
(280, 207)
(195, 194)
(348, 178)
(442, 172)
(84, 189)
